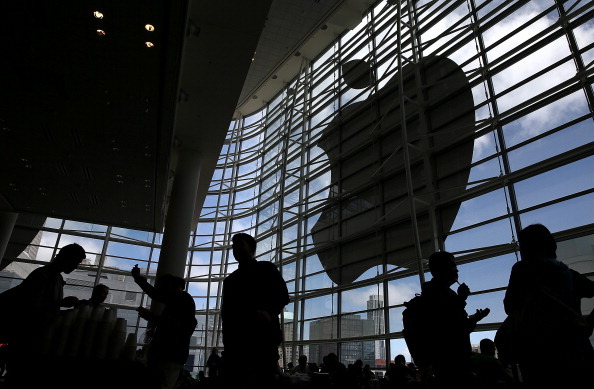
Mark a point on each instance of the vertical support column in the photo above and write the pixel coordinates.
(7, 222)
(178, 224)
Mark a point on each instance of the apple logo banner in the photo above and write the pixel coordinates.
(368, 206)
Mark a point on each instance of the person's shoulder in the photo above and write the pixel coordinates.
(41, 273)
(522, 266)
(266, 266)
(234, 274)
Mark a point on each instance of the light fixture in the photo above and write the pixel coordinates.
(149, 44)
(98, 15)
(149, 27)
(100, 32)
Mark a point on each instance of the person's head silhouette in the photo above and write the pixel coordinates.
(69, 257)
(99, 294)
(169, 284)
(487, 346)
(443, 267)
(244, 247)
(537, 242)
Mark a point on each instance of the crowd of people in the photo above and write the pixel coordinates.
(545, 335)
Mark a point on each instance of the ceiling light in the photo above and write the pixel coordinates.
(100, 32)
(149, 44)
(149, 27)
(98, 15)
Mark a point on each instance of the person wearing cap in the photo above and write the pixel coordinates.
(36, 302)
(450, 325)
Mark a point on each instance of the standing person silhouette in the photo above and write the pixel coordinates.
(213, 363)
(173, 327)
(547, 295)
(451, 327)
(253, 297)
(36, 304)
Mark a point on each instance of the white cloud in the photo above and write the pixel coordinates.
(397, 292)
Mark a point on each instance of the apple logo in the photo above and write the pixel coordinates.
(367, 216)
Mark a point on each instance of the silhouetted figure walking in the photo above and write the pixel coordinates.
(253, 297)
(449, 324)
(173, 327)
(36, 303)
(544, 296)
(213, 363)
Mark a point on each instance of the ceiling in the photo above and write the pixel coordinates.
(91, 123)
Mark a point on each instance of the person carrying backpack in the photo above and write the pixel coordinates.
(439, 337)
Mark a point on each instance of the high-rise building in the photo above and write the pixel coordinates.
(375, 306)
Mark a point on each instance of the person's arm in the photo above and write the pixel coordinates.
(278, 293)
(515, 288)
(33, 293)
(584, 287)
(479, 315)
(143, 283)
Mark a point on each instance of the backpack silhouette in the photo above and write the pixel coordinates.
(416, 331)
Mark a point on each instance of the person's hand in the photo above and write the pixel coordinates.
(480, 314)
(463, 291)
(135, 271)
(69, 301)
(143, 313)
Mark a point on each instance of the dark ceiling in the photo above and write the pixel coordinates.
(88, 121)
(83, 133)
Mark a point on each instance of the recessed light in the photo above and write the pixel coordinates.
(149, 44)
(149, 27)
(100, 32)
(98, 15)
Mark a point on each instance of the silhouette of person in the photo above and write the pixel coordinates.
(489, 370)
(98, 296)
(450, 331)
(399, 374)
(213, 363)
(368, 376)
(173, 327)
(337, 371)
(38, 300)
(548, 294)
(302, 367)
(355, 375)
(253, 297)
